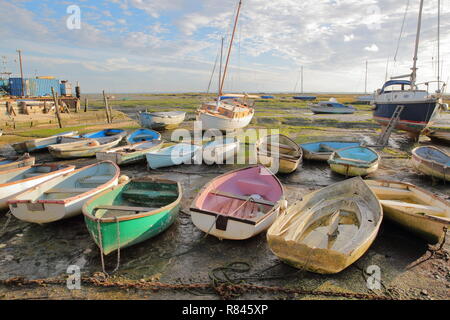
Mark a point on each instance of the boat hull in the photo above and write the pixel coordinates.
(437, 135)
(161, 122)
(288, 154)
(426, 226)
(333, 110)
(121, 157)
(222, 123)
(157, 160)
(414, 118)
(221, 153)
(430, 167)
(17, 162)
(42, 143)
(81, 149)
(355, 164)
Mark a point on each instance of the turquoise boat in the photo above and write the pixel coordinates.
(104, 133)
(131, 213)
(142, 135)
(322, 150)
(175, 155)
(354, 161)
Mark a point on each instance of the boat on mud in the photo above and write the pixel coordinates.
(331, 107)
(84, 149)
(161, 120)
(42, 143)
(279, 149)
(220, 150)
(322, 150)
(130, 153)
(432, 161)
(181, 153)
(354, 161)
(8, 163)
(142, 135)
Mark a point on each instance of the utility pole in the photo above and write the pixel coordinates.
(21, 71)
(439, 47)
(55, 100)
(365, 87)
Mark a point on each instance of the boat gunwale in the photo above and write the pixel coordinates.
(67, 168)
(332, 159)
(419, 157)
(70, 199)
(134, 216)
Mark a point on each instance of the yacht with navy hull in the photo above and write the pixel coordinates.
(420, 107)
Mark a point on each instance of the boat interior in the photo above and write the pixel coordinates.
(328, 146)
(280, 145)
(135, 197)
(246, 194)
(140, 146)
(28, 172)
(355, 154)
(228, 109)
(434, 154)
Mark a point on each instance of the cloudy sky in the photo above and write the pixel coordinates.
(171, 45)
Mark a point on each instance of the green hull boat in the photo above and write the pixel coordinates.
(131, 213)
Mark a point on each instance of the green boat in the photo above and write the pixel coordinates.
(132, 212)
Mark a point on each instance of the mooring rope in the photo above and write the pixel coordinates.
(8, 215)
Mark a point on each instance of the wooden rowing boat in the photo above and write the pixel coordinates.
(63, 196)
(104, 134)
(354, 161)
(432, 161)
(220, 151)
(329, 229)
(7, 163)
(161, 120)
(131, 213)
(441, 135)
(142, 135)
(413, 208)
(85, 148)
(321, 151)
(239, 204)
(15, 181)
(181, 153)
(279, 152)
(42, 143)
(130, 153)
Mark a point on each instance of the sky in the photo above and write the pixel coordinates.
(132, 46)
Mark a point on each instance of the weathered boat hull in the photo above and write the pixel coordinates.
(430, 167)
(317, 110)
(353, 165)
(438, 135)
(313, 152)
(173, 156)
(83, 149)
(287, 159)
(301, 252)
(161, 120)
(124, 155)
(210, 121)
(8, 190)
(214, 153)
(413, 218)
(42, 143)
(142, 135)
(134, 228)
(16, 162)
(31, 206)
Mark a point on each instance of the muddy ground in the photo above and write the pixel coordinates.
(183, 254)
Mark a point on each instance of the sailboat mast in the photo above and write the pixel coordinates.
(439, 47)
(220, 70)
(365, 85)
(229, 48)
(302, 79)
(416, 50)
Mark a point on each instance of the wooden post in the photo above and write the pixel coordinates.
(86, 104)
(108, 115)
(55, 100)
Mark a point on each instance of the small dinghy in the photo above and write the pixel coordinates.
(63, 197)
(281, 149)
(161, 120)
(432, 161)
(85, 148)
(220, 150)
(354, 161)
(143, 135)
(321, 151)
(438, 135)
(132, 213)
(413, 208)
(175, 155)
(329, 229)
(239, 204)
(104, 133)
(131, 153)
(15, 181)
(42, 143)
(331, 107)
(8, 163)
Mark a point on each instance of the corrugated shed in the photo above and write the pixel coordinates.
(34, 87)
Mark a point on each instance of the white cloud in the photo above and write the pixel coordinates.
(348, 38)
(372, 48)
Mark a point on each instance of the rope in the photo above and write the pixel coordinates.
(100, 242)
(8, 215)
(118, 245)
(401, 31)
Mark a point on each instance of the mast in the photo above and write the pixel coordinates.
(302, 79)
(229, 48)
(416, 50)
(365, 86)
(439, 47)
(220, 70)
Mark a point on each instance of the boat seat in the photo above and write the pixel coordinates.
(415, 208)
(241, 197)
(152, 194)
(68, 190)
(254, 186)
(99, 180)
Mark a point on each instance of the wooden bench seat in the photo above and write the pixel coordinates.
(244, 198)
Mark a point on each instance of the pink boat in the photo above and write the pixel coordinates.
(239, 204)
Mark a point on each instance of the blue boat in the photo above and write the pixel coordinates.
(142, 135)
(354, 161)
(305, 98)
(104, 133)
(322, 150)
(267, 97)
(181, 153)
(331, 107)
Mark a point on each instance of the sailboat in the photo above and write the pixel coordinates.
(420, 107)
(227, 114)
(302, 96)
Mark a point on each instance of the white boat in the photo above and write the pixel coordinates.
(328, 229)
(42, 143)
(220, 150)
(161, 120)
(85, 148)
(15, 181)
(175, 155)
(131, 153)
(63, 197)
(415, 209)
(239, 204)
